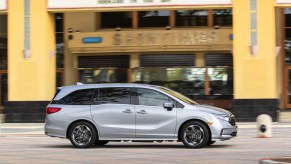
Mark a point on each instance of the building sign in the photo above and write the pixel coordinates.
(54, 4)
(3, 5)
(165, 38)
(92, 40)
(283, 1)
(151, 40)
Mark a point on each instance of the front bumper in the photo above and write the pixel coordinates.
(228, 133)
(223, 130)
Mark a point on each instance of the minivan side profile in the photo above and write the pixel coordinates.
(95, 114)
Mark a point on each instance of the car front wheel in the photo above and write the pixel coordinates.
(82, 135)
(194, 134)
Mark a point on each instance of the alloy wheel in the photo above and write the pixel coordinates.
(194, 135)
(81, 135)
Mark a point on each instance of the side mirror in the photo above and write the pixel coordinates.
(168, 105)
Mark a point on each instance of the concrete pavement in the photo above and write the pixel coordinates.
(26, 143)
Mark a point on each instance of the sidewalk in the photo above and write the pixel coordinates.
(22, 128)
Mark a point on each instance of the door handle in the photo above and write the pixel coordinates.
(127, 111)
(142, 112)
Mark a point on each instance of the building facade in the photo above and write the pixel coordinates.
(229, 53)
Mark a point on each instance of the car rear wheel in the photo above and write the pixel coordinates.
(82, 135)
(194, 134)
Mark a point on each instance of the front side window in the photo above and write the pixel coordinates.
(113, 96)
(179, 96)
(80, 97)
(151, 98)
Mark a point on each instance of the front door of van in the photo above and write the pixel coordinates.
(113, 113)
(152, 119)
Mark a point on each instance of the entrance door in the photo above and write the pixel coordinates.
(287, 88)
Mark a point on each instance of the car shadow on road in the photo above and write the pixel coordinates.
(140, 146)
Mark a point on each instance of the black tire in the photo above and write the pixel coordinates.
(82, 134)
(210, 142)
(194, 134)
(101, 143)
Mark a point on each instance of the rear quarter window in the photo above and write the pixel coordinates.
(79, 97)
(57, 92)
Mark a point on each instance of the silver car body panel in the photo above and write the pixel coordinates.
(135, 122)
(155, 122)
(114, 120)
(56, 124)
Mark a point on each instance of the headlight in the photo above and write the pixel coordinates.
(224, 118)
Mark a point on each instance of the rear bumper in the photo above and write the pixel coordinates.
(52, 128)
(54, 132)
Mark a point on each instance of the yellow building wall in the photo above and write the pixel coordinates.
(254, 75)
(199, 59)
(84, 22)
(31, 79)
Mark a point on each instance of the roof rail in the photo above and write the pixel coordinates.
(79, 83)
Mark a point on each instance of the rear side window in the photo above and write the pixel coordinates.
(79, 97)
(112, 96)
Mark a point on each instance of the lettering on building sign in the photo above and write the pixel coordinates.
(165, 38)
(130, 1)
(76, 4)
(109, 1)
(117, 39)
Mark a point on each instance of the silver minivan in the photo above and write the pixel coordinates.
(94, 114)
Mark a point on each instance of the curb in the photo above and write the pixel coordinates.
(276, 160)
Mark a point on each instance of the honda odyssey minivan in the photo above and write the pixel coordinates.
(95, 114)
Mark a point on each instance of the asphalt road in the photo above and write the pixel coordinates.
(24, 143)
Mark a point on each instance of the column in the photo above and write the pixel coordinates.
(255, 80)
(31, 59)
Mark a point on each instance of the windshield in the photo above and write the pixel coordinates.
(179, 96)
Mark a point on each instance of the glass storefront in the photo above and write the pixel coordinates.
(190, 81)
(121, 19)
(157, 18)
(3, 61)
(287, 64)
(59, 33)
(191, 18)
(163, 18)
(222, 17)
(220, 81)
(287, 40)
(103, 75)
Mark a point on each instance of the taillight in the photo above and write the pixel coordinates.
(50, 110)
